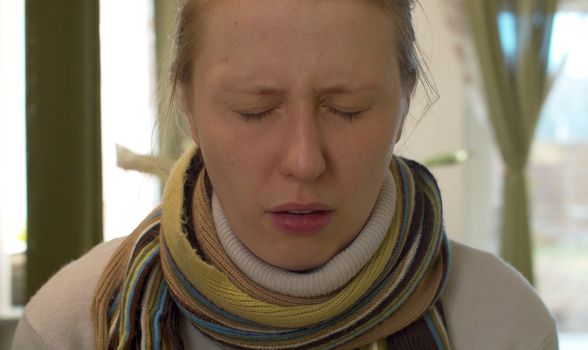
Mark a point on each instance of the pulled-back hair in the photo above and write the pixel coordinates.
(190, 30)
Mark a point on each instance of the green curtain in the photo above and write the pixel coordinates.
(63, 134)
(516, 87)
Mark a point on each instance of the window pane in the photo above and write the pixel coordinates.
(128, 109)
(559, 173)
(12, 155)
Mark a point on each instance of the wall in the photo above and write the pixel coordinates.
(455, 121)
(440, 129)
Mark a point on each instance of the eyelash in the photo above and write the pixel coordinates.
(345, 115)
(255, 117)
(258, 116)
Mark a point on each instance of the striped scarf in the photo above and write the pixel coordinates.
(173, 266)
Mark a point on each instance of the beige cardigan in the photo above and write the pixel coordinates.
(487, 304)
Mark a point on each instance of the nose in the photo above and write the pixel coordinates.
(304, 155)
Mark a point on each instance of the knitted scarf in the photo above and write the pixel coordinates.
(173, 266)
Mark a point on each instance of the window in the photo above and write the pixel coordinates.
(559, 179)
(558, 173)
(128, 111)
(12, 156)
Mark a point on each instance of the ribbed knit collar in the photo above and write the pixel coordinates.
(334, 274)
(157, 276)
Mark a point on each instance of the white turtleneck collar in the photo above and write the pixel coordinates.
(325, 279)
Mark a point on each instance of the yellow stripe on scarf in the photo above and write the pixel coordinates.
(217, 287)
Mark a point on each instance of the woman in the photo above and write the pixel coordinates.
(291, 224)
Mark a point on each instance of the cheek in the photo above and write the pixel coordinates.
(371, 145)
(233, 158)
(360, 168)
(216, 145)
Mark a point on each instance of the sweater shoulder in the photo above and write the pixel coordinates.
(59, 314)
(487, 301)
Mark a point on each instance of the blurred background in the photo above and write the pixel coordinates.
(80, 95)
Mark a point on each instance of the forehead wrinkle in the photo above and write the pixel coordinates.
(262, 89)
(235, 70)
(243, 20)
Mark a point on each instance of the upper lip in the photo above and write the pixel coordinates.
(300, 207)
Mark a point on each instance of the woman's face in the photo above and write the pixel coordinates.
(296, 106)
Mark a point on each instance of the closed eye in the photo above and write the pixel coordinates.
(346, 115)
(258, 116)
(255, 116)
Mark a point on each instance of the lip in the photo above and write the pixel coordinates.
(301, 207)
(302, 224)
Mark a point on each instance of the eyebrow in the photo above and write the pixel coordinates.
(256, 90)
(328, 90)
(345, 89)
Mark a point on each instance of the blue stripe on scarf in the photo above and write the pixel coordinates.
(161, 302)
(293, 333)
(431, 324)
(131, 295)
